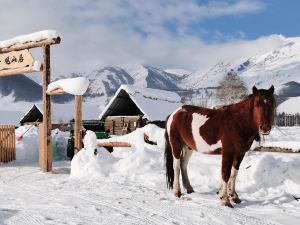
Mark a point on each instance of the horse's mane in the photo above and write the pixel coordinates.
(238, 104)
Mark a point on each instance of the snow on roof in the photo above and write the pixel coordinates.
(151, 93)
(290, 106)
(33, 37)
(65, 112)
(74, 86)
(10, 117)
(153, 103)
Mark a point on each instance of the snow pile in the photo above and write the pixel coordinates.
(74, 86)
(134, 164)
(270, 173)
(33, 37)
(290, 106)
(27, 149)
(89, 163)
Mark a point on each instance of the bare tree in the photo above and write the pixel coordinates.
(231, 89)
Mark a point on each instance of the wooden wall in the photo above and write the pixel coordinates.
(117, 124)
(7, 143)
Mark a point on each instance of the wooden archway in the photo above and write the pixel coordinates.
(45, 68)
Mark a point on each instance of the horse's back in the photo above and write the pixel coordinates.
(200, 110)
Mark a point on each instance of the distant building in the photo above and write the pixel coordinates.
(61, 114)
(133, 107)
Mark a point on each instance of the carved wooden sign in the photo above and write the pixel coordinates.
(16, 59)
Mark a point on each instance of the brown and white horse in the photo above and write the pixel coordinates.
(231, 128)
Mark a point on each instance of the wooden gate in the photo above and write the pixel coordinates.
(7, 143)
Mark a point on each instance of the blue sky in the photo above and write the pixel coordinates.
(275, 17)
(188, 34)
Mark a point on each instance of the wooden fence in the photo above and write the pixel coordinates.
(7, 143)
(287, 120)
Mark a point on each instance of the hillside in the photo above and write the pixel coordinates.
(280, 67)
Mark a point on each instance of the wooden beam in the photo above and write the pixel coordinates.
(30, 45)
(61, 92)
(56, 92)
(113, 144)
(19, 71)
(78, 123)
(47, 145)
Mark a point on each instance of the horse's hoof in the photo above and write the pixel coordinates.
(177, 194)
(228, 204)
(236, 200)
(190, 191)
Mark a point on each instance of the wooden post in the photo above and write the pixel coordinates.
(78, 123)
(46, 134)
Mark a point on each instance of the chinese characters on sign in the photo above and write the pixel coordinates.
(16, 59)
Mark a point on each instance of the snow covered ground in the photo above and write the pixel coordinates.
(133, 189)
(283, 137)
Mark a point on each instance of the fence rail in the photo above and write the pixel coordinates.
(7, 143)
(287, 120)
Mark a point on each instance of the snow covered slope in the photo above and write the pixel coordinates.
(148, 76)
(279, 67)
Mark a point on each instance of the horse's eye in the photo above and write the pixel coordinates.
(266, 101)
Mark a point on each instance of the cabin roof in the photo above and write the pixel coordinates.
(152, 104)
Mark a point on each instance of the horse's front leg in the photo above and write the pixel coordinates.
(227, 160)
(233, 196)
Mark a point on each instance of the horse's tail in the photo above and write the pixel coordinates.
(169, 162)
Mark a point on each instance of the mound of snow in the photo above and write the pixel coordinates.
(269, 172)
(134, 164)
(89, 163)
(27, 149)
(74, 86)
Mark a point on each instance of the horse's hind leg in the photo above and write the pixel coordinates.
(177, 151)
(185, 157)
(233, 196)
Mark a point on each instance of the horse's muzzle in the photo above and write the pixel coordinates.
(264, 130)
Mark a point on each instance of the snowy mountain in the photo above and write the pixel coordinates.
(150, 77)
(105, 82)
(280, 67)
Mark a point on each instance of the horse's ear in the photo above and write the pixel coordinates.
(254, 90)
(271, 89)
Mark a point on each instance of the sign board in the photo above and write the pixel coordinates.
(16, 59)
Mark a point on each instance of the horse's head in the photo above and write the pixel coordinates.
(264, 109)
